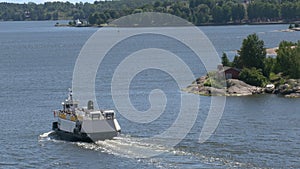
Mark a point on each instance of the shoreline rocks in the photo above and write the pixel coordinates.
(290, 89)
(235, 87)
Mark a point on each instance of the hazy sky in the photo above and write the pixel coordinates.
(42, 1)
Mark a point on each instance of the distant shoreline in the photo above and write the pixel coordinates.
(245, 23)
(206, 24)
(77, 26)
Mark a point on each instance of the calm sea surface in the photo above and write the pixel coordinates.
(36, 67)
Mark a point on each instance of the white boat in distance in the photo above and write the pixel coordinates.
(84, 124)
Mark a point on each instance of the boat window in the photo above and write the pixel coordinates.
(95, 116)
(109, 115)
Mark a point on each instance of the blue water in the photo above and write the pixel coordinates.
(36, 67)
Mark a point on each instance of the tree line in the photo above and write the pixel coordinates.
(64, 10)
(258, 69)
(196, 11)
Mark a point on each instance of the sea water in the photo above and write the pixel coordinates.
(36, 68)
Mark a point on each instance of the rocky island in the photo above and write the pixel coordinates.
(252, 72)
(294, 27)
(235, 87)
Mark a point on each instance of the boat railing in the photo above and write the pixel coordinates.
(109, 114)
(84, 114)
(67, 115)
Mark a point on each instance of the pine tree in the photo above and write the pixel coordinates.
(253, 53)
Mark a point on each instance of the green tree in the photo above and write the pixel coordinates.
(237, 62)
(253, 76)
(157, 4)
(269, 66)
(238, 12)
(217, 14)
(263, 11)
(288, 10)
(252, 52)
(195, 3)
(55, 16)
(288, 59)
(221, 14)
(253, 11)
(201, 14)
(225, 60)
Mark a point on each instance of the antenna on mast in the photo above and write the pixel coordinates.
(70, 94)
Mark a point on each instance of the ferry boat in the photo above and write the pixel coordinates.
(84, 124)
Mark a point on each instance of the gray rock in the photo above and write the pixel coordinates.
(234, 88)
(237, 87)
(293, 95)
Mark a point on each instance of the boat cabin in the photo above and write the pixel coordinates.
(109, 114)
(69, 105)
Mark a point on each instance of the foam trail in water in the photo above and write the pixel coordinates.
(45, 136)
(212, 161)
(49, 136)
(126, 146)
(131, 147)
